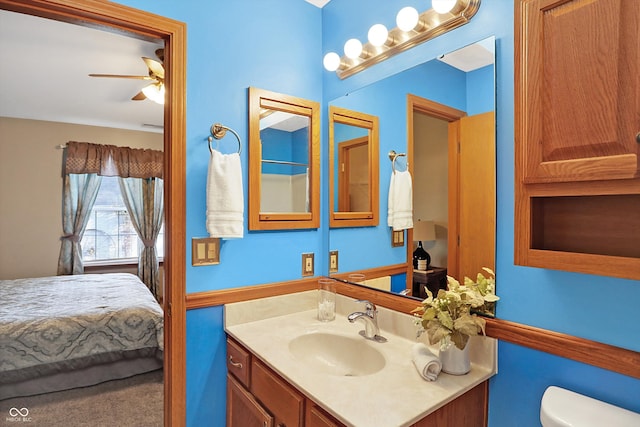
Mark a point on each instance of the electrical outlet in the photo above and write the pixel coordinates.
(333, 261)
(307, 264)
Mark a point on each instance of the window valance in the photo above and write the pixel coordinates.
(111, 160)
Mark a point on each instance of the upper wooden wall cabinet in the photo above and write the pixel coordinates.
(578, 136)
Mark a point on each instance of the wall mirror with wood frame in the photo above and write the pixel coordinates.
(441, 115)
(284, 161)
(353, 168)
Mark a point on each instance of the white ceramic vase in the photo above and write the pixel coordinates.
(455, 361)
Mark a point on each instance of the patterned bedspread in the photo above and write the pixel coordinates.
(54, 324)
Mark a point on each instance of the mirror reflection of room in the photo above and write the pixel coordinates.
(443, 104)
(353, 168)
(284, 158)
(285, 162)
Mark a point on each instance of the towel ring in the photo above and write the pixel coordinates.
(218, 132)
(393, 156)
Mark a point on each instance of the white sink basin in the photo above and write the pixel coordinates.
(336, 354)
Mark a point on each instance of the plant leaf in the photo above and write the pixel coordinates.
(445, 319)
(460, 340)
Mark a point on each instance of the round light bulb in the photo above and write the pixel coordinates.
(353, 48)
(407, 18)
(378, 35)
(331, 61)
(443, 6)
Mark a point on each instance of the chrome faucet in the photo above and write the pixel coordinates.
(370, 318)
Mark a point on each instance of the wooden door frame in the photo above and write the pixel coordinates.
(416, 104)
(125, 20)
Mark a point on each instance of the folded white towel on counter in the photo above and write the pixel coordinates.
(427, 363)
(400, 209)
(225, 198)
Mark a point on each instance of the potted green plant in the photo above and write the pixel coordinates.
(449, 321)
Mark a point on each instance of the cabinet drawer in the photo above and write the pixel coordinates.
(316, 417)
(238, 362)
(283, 401)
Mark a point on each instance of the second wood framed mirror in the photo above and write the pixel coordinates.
(284, 161)
(353, 168)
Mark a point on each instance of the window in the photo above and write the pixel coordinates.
(110, 235)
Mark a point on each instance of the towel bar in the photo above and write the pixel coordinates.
(218, 132)
(393, 156)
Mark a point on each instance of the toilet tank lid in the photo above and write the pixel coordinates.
(565, 408)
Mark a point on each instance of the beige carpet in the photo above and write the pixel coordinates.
(135, 401)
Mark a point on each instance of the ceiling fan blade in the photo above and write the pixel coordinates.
(155, 68)
(139, 96)
(122, 76)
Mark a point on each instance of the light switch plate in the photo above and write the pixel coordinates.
(205, 251)
(333, 261)
(307, 264)
(397, 238)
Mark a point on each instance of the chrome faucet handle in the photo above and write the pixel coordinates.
(369, 307)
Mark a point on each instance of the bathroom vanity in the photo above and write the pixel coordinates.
(276, 375)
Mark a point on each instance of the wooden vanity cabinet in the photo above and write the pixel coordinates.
(267, 400)
(577, 129)
(258, 396)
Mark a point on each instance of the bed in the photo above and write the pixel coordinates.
(63, 332)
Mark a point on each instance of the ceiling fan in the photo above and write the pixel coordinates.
(155, 90)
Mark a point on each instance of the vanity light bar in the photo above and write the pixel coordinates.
(430, 24)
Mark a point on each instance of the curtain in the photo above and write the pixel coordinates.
(111, 160)
(78, 195)
(144, 200)
(84, 165)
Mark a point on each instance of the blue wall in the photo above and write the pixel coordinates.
(231, 45)
(278, 45)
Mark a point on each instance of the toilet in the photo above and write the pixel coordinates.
(564, 408)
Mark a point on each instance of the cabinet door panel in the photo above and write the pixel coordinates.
(283, 401)
(581, 90)
(242, 409)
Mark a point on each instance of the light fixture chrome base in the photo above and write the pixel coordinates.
(431, 24)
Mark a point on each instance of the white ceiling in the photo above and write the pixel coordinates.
(319, 3)
(45, 67)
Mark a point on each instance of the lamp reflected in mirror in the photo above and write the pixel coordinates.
(423, 231)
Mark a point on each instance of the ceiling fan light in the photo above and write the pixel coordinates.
(154, 92)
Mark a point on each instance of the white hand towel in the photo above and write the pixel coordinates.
(225, 198)
(427, 363)
(400, 209)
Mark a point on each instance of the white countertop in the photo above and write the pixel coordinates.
(394, 396)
